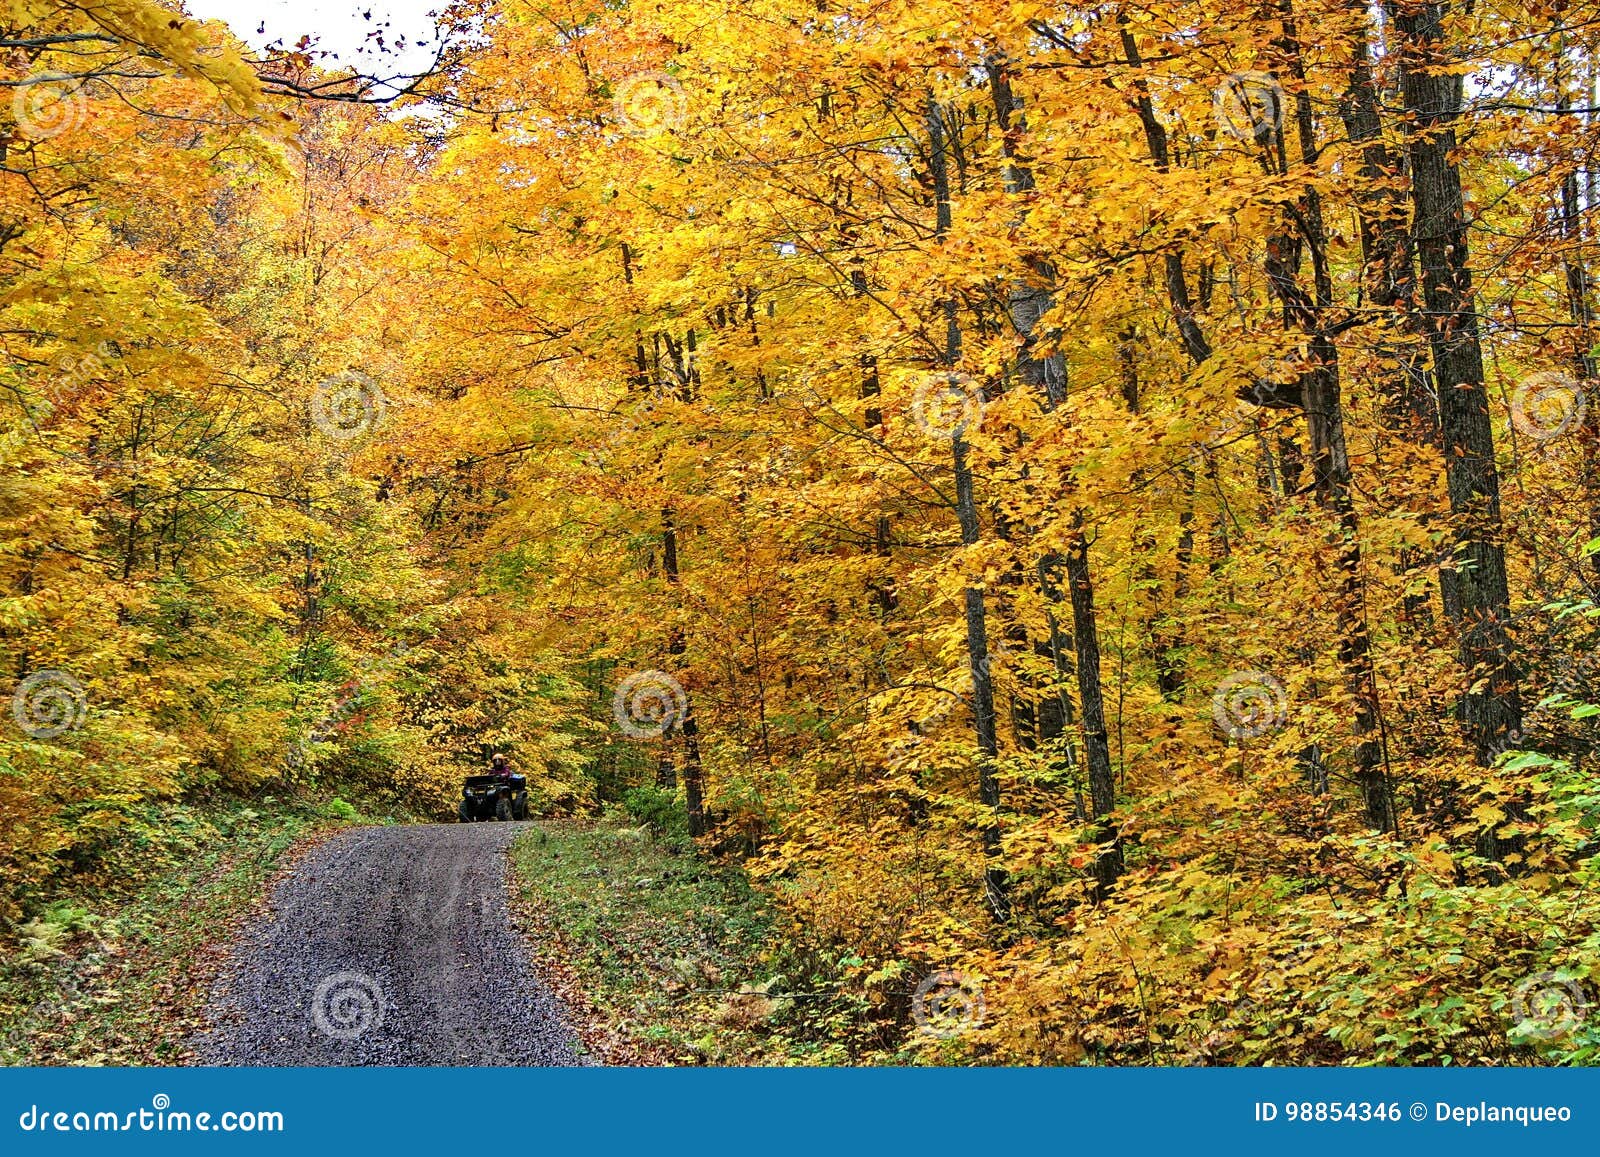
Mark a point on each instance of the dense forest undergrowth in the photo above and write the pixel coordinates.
(1092, 511)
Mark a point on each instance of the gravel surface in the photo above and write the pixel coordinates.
(389, 946)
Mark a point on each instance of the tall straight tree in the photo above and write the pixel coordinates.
(996, 887)
(1476, 589)
(1031, 297)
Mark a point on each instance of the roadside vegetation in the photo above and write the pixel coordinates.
(662, 957)
(115, 965)
(668, 957)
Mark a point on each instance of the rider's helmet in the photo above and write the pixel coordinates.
(499, 762)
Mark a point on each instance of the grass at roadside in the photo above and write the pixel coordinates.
(668, 959)
(116, 969)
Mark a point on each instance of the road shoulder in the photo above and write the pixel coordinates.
(118, 975)
(663, 957)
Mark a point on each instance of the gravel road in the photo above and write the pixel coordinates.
(389, 946)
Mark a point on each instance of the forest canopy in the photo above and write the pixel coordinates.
(1096, 503)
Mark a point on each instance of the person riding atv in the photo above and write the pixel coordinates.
(501, 795)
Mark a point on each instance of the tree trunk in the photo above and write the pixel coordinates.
(1029, 301)
(1108, 864)
(693, 779)
(1388, 262)
(1330, 461)
(1170, 673)
(1580, 307)
(1031, 297)
(1491, 705)
(996, 887)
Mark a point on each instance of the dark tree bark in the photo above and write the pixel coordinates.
(1389, 277)
(1055, 712)
(882, 590)
(1170, 673)
(693, 777)
(1330, 462)
(1029, 301)
(1491, 705)
(1042, 720)
(1580, 308)
(996, 886)
(1388, 259)
(1032, 296)
(1108, 865)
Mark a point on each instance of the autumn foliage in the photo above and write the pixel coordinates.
(1096, 504)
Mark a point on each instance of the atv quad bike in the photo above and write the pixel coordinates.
(493, 797)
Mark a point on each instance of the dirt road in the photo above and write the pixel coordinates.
(389, 946)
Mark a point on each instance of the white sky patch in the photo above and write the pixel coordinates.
(341, 28)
